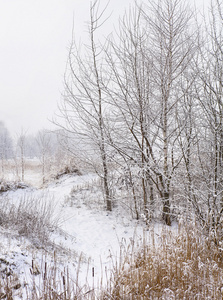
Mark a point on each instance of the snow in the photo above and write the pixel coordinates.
(97, 234)
(88, 238)
(86, 234)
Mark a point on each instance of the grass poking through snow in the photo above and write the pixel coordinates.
(176, 265)
(185, 265)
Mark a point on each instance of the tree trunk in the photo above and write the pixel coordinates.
(105, 180)
(166, 208)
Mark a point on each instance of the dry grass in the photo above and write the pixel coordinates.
(33, 171)
(176, 265)
(49, 281)
(182, 266)
(54, 284)
(32, 217)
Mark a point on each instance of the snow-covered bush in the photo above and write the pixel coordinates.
(11, 186)
(69, 169)
(33, 217)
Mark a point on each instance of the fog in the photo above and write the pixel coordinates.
(34, 40)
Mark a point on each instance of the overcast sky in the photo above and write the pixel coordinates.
(34, 40)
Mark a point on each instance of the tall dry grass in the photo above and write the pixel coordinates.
(180, 264)
(186, 265)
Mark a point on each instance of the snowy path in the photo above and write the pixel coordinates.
(96, 234)
(92, 235)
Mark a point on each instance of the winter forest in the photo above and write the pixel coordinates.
(139, 144)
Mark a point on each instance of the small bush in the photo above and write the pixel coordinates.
(33, 217)
(6, 186)
(68, 170)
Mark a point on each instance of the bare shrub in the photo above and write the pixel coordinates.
(11, 186)
(89, 194)
(33, 217)
(68, 170)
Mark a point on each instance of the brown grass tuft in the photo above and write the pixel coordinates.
(180, 266)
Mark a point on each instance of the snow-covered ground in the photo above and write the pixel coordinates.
(88, 237)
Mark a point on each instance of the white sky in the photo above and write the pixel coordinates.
(34, 38)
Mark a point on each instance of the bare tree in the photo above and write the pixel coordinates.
(172, 47)
(209, 92)
(44, 143)
(147, 66)
(21, 146)
(6, 146)
(83, 106)
(130, 97)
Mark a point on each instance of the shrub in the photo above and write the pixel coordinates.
(68, 170)
(11, 186)
(33, 217)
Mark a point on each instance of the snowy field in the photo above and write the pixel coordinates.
(87, 239)
(57, 241)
